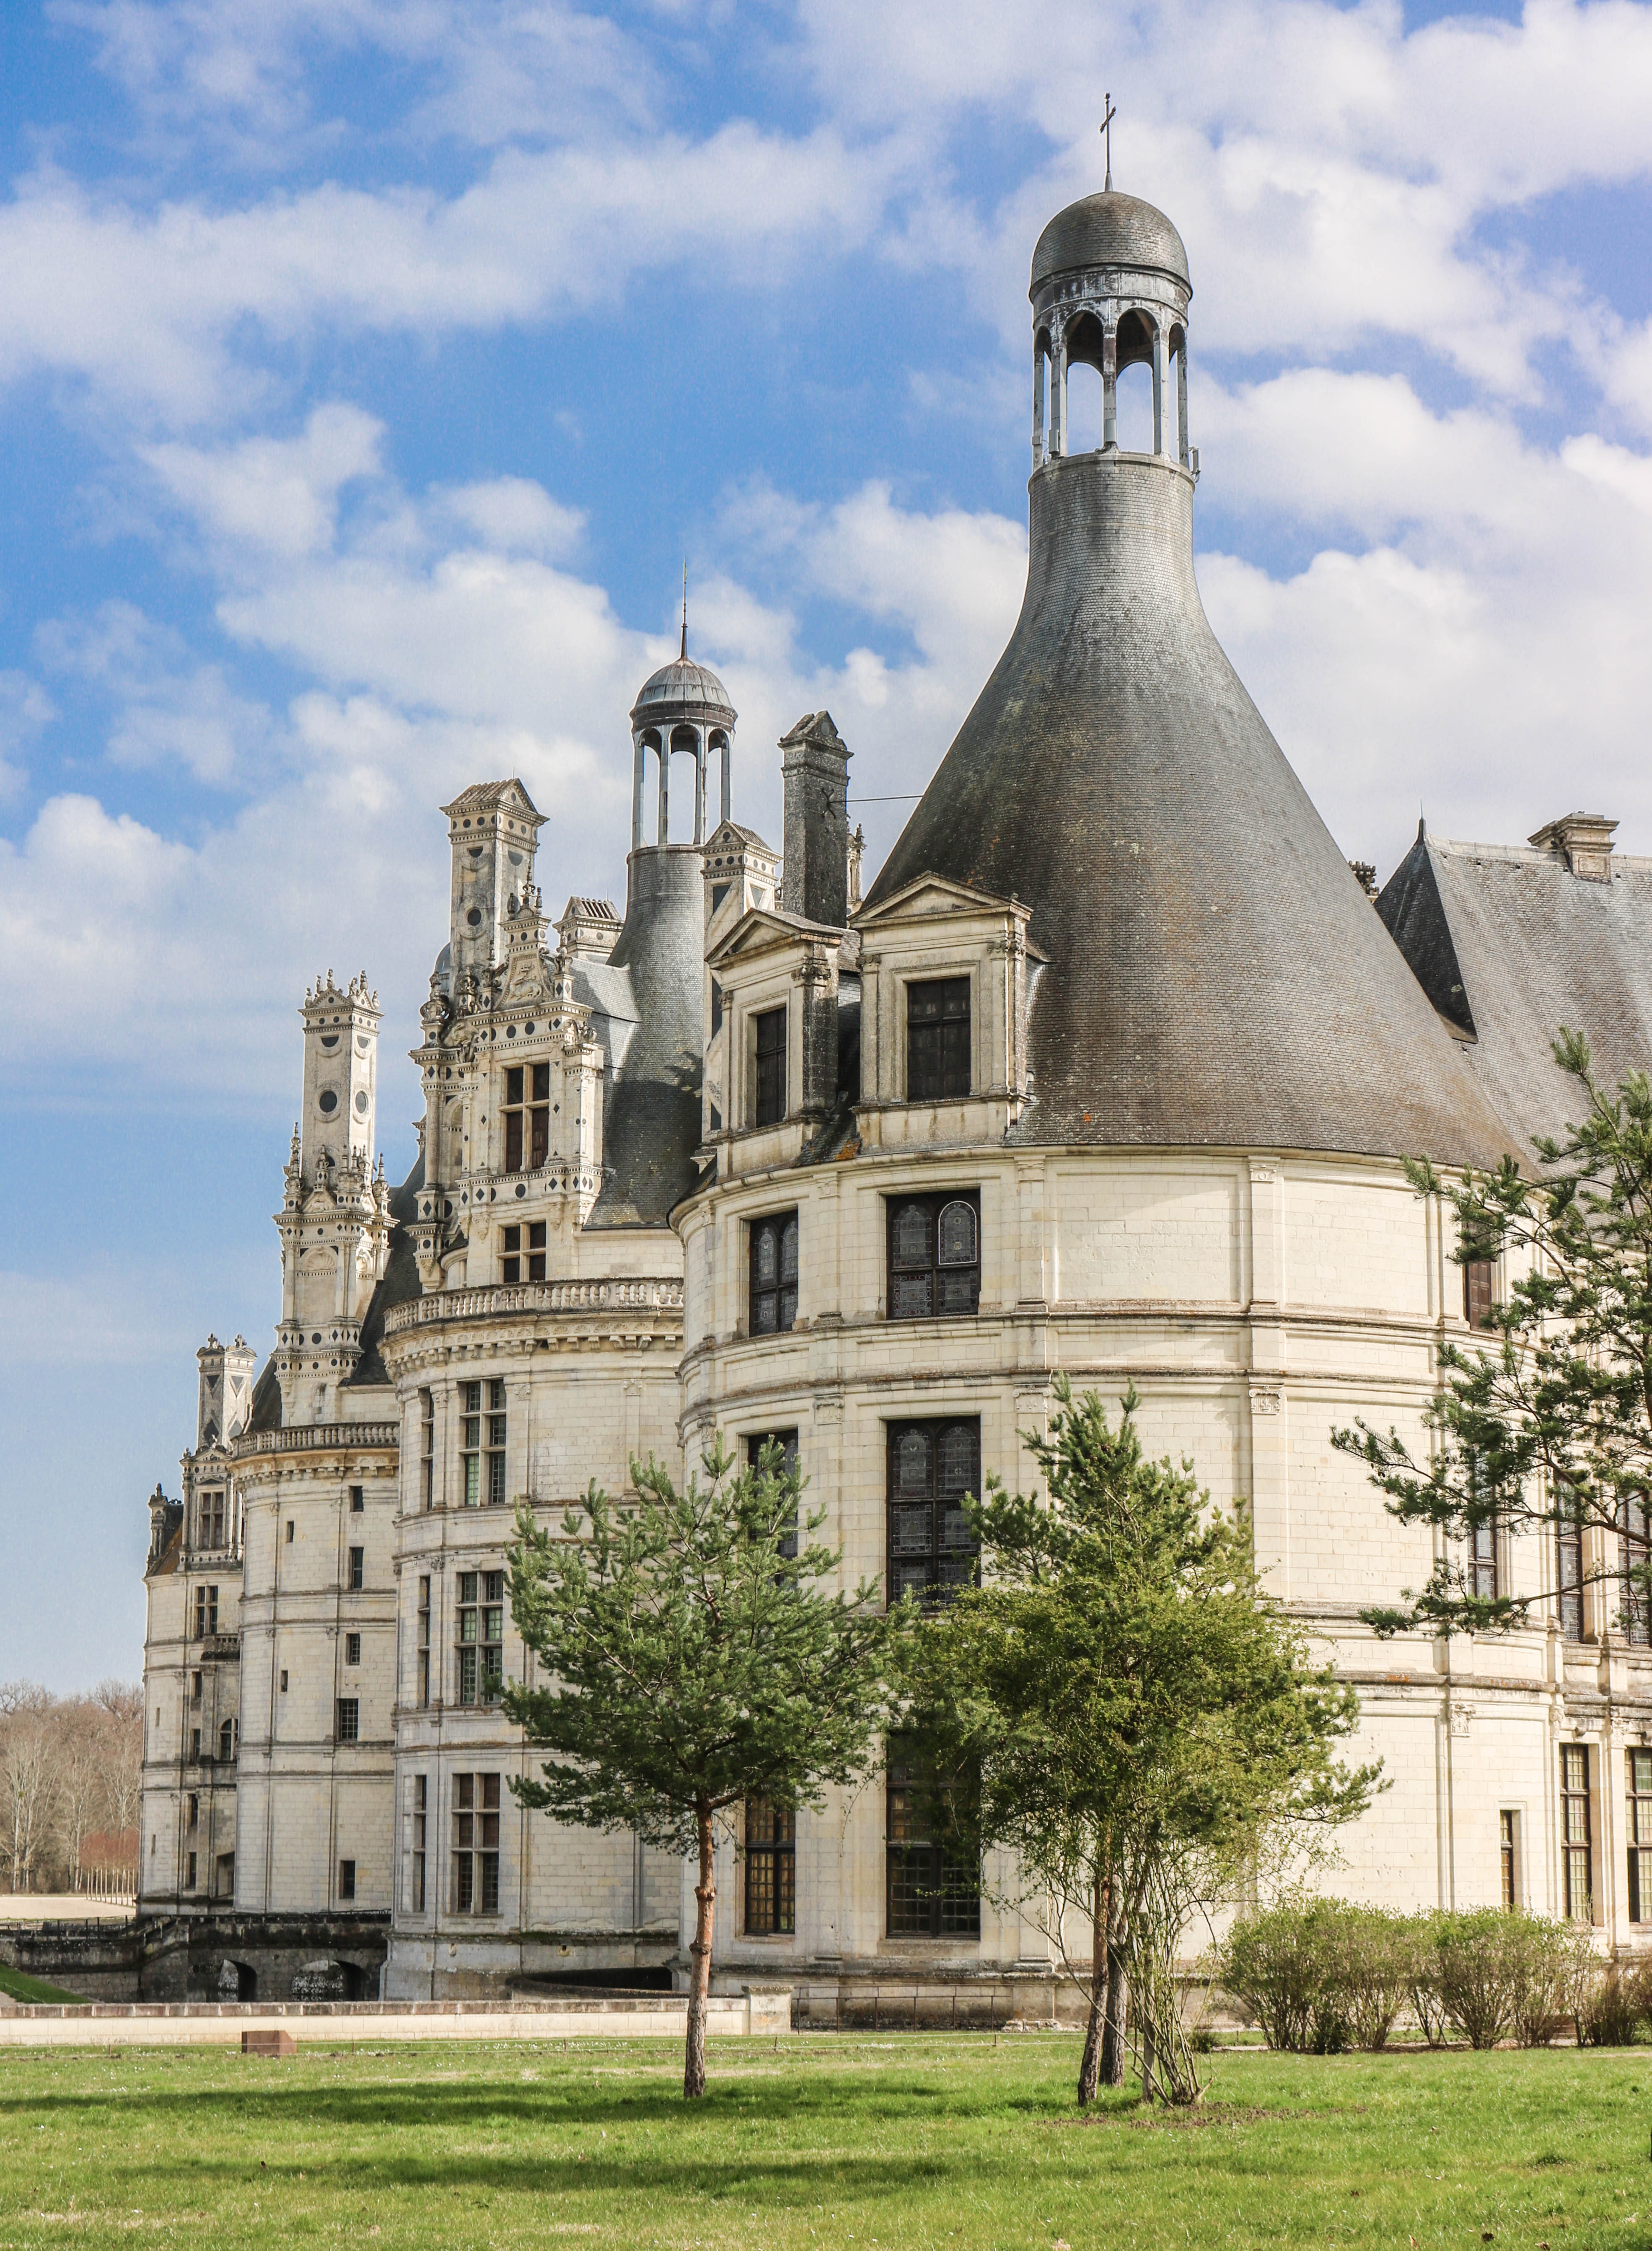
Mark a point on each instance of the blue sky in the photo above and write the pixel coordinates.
(367, 370)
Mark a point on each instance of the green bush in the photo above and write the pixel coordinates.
(1320, 1974)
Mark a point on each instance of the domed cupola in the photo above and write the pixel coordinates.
(1215, 974)
(682, 708)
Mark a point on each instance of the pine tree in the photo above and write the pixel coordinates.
(693, 1660)
(1542, 1426)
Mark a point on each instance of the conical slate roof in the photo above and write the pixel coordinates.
(1216, 975)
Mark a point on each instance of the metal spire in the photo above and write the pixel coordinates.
(1106, 130)
(682, 652)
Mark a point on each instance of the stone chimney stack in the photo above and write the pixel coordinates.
(814, 769)
(1584, 841)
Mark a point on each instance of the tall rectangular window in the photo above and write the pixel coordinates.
(484, 1444)
(932, 1466)
(1483, 1546)
(357, 1569)
(423, 1643)
(934, 1255)
(933, 1888)
(475, 1844)
(357, 1501)
(1479, 1291)
(481, 1630)
(522, 1250)
(192, 1812)
(1637, 1559)
(787, 1441)
(189, 1880)
(211, 1518)
(768, 1107)
(771, 1869)
(205, 1611)
(349, 1719)
(938, 1040)
(1639, 1824)
(773, 1263)
(420, 1817)
(1569, 1573)
(352, 1649)
(426, 1450)
(226, 1740)
(1576, 1837)
(347, 1879)
(527, 1117)
(1508, 1855)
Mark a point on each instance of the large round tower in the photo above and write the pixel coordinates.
(1215, 974)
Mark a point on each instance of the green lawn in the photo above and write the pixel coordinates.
(907, 2141)
(22, 1987)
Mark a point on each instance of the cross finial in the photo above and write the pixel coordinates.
(1106, 130)
(683, 652)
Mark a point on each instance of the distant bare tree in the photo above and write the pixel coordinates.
(71, 1768)
(28, 1790)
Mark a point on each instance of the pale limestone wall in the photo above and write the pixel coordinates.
(308, 1799)
(586, 1390)
(1256, 1303)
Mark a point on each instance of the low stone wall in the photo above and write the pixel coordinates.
(221, 1958)
(761, 2010)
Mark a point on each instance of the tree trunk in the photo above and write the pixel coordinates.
(700, 1960)
(1113, 2032)
(1090, 2062)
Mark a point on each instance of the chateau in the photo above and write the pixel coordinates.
(1111, 1072)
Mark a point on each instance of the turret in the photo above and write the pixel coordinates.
(494, 831)
(223, 1390)
(341, 1069)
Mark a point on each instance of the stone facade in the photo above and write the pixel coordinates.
(762, 1159)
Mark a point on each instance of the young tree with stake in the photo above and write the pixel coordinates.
(691, 1660)
(1141, 1717)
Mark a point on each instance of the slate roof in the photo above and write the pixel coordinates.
(1510, 946)
(682, 690)
(482, 796)
(398, 1282)
(1217, 976)
(1108, 229)
(651, 1124)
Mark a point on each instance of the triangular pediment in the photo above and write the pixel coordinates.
(762, 930)
(931, 895)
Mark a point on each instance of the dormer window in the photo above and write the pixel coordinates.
(527, 1117)
(768, 1105)
(938, 1040)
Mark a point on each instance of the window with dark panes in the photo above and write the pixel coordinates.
(933, 1888)
(420, 1816)
(527, 1117)
(1637, 1561)
(523, 1252)
(934, 1255)
(1508, 1854)
(938, 1040)
(768, 1107)
(480, 1624)
(428, 1449)
(424, 1642)
(226, 1740)
(352, 1649)
(205, 1611)
(771, 1869)
(787, 1441)
(1576, 1848)
(475, 1844)
(774, 1292)
(357, 1569)
(1640, 1829)
(1569, 1573)
(485, 1443)
(348, 1719)
(1483, 1546)
(347, 1879)
(357, 1501)
(1479, 1291)
(211, 1519)
(932, 1466)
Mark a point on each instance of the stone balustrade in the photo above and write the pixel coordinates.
(314, 1438)
(661, 1293)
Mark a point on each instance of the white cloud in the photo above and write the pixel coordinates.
(277, 493)
(169, 709)
(26, 712)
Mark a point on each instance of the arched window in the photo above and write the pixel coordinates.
(935, 1256)
(773, 1293)
(1134, 384)
(1085, 416)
